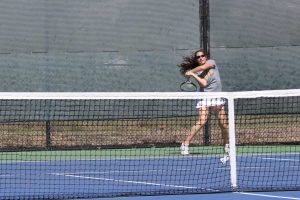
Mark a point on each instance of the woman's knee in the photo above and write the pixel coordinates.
(201, 121)
(223, 125)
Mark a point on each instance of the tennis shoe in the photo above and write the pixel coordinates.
(226, 149)
(224, 159)
(184, 149)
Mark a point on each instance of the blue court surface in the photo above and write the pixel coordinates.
(293, 195)
(189, 174)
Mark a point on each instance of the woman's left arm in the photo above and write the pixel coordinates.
(202, 82)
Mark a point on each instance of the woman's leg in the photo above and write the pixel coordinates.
(223, 122)
(202, 118)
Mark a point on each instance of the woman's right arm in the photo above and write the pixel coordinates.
(201, 81)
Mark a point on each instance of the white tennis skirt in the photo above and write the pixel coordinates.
(210, 102)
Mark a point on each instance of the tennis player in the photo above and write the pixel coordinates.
(206, 73)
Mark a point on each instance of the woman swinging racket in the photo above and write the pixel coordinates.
(206, 73)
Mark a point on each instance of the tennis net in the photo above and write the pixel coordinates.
(86, 145)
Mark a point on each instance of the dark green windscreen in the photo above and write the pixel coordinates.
(256, 43)
(95, 45)
(135, 45)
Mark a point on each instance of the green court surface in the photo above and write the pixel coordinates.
(141, 153)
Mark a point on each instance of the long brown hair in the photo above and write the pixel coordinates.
(190, 62)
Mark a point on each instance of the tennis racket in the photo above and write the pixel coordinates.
(188, 86)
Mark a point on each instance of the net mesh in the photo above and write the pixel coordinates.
(114, 144)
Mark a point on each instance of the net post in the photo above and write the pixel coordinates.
(48, 134)
(232, 144)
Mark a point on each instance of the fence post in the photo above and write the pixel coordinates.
(48, 134)
(205, 45)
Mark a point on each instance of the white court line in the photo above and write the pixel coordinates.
(118, 171)
(279, 159)
(134, 182)
(5, 175)
(124, 181)
(258, 167)
(265, 195)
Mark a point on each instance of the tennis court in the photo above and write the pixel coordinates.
(294, 195)
(90, 104)
(78, 175)
(103, 145)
